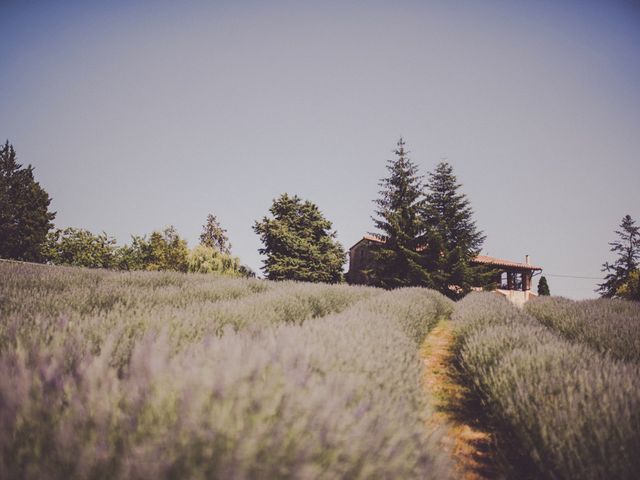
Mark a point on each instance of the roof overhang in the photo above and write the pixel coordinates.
(500, 263)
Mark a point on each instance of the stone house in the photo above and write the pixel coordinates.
(513, 279)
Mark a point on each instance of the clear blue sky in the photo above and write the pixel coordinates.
(137, 115)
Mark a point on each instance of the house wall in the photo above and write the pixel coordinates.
(517, 297)
(359, 260)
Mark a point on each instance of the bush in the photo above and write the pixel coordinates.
(202, 259)
(570, 413)
(630, 290)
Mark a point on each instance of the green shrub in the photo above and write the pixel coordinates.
(204, 259)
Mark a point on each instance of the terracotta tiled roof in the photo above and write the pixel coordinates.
(498, 262)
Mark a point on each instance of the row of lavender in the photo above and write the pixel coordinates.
(160, 375)
(610, 326)
(567, 410)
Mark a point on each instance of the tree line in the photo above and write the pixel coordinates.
(27, 233)
(427, 232)
(428, 237)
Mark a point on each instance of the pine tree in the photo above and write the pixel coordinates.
(214, 236)
(543, 287)
(401, 259)
(627, 248)
(299, 243)
(448, 215)
(25, 218)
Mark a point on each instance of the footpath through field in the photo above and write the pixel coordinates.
(472, 445)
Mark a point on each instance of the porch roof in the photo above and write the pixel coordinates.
(498, 262)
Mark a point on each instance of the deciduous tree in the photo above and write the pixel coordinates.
(204, 259)
(630, 290)
(161, 251)
(79, 247)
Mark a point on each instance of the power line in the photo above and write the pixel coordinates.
(571, 276)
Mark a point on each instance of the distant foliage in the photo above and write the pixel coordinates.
(246, 271)
(79, 247)
(203, 259)
(543, 287)
(214, 236)
(25, 218)
(610, 326)
(163, 375)
(630, 289)
(299, 243)
(571, 413)
(627, 249)
(161, 251)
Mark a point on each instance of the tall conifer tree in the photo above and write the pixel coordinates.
(448, 216)
(214, 236)
(398, 261)
(25, 218)
(299, 243)
(627, 248)
(543, 287)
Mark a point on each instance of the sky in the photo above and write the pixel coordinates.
(142, 114)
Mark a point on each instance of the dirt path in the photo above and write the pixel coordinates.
(472, 445)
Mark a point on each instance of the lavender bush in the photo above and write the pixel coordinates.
(44, 305)
(609, 326)
(193, 376)
(573, 414)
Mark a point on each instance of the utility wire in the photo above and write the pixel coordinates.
(572, 276)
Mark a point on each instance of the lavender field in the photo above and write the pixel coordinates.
(168, 375)
(610, 326)
(567, 410)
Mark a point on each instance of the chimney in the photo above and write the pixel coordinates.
(526, 259)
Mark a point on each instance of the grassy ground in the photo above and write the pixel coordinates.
(466, 432)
